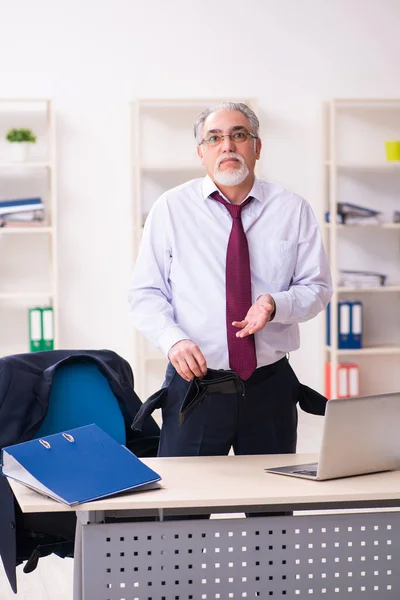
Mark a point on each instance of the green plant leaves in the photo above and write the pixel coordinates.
(21, 135)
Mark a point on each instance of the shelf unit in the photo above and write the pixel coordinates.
(356, 171)
(164, 156)
(28, 255)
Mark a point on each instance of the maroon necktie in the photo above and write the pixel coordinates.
(242, 351)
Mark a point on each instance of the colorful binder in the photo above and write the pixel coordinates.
(47, 328)
(356, 313)
(347, 380)
(344, 329)
(76, 466)
(41, 329)
(35, 329)
(349, 325)
(353, 380)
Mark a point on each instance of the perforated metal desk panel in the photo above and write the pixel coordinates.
(354, 554)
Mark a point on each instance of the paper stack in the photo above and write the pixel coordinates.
(21, 212)
(353, 214)
(361, 279)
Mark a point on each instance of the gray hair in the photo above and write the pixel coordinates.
(239, 106)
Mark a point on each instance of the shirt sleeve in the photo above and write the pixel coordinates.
(149, 294)
(311, 286)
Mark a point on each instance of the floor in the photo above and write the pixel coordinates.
(52, 580)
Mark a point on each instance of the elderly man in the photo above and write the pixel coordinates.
(228, 266)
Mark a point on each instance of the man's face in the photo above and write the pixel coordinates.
(230, 162)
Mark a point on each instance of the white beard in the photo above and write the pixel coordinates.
(234, 177)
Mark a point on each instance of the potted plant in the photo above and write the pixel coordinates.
(20, 140)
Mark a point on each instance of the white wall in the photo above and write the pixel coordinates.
(94, 57)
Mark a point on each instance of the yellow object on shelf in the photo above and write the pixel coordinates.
(393, 150)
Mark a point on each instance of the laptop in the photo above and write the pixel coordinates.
(360, 435)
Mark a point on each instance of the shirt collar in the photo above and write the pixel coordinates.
(209, 187)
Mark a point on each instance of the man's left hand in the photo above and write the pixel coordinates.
(258, 316)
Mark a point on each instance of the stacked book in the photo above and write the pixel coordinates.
(22, 211)
(352, 214)
(361, 279)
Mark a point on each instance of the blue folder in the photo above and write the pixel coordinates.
(328, 324)
(26, 202)
(349, 325)
(76, 466)
(343, 322)
(356, 328)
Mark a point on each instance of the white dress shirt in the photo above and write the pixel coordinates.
(178, 284)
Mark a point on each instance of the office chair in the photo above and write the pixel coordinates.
(81, 395)
(46, 392)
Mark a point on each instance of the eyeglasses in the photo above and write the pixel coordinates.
(238, 137)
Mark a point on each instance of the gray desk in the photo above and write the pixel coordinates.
(351, 554)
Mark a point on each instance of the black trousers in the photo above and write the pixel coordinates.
(261, 421)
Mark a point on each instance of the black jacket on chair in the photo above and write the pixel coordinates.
(25, 385)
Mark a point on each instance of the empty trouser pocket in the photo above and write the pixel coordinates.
(156, 400)
(311, 401)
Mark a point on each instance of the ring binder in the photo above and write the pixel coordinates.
(76, 466)
(45, 444)
(47, 328)
(35, 329)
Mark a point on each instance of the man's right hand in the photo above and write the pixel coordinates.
(188, 360)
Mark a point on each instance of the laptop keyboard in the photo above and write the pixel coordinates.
(311, 470)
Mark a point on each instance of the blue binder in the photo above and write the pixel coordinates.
(344, 325)
(328, 324)
(355, 338)
(76, 466)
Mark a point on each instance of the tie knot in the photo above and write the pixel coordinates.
(234, 209)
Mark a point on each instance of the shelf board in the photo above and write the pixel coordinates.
(24, 100)
(25, 165)
(368, 102)
(373, 167)
(366, 226)
(368, 351)
(380, 289)
(22, 295)
(24, 230)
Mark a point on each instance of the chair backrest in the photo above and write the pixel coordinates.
(81, 395)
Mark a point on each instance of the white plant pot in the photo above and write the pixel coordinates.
(19, 151)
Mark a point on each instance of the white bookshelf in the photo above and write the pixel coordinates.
(356, 171)
(28, 255)
(163, 156)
